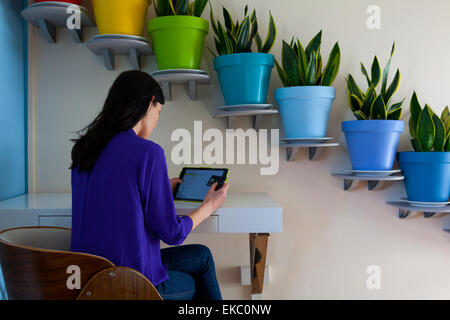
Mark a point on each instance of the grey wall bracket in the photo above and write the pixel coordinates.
(405, 209)
(50, 16)
(314, 149)
(190, 78)
(108, 46)
(257, 116)
(351, 182)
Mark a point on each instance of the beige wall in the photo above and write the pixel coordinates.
(329, 236)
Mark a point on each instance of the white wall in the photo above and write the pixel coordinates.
(330, 236)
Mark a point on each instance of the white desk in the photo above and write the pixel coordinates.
(253, 213)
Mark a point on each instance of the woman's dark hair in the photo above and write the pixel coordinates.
(126, 104)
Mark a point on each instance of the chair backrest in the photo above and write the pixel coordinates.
(35, 262)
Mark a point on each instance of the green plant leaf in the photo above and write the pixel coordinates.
(212, 52)
(364, 72)
(425, 130)
(395, 114)
(447, 146)
(314, 44)
(447, 128)
(332, 67)
(415, 145)
(353, 87)
(290, 64)
(439, 137)
(258, 41)
(172, 7)
(397, 105)
(199, 7)
(163, 8)
(311, 71)
(360, 115)
(318, 79)
(282, 75)
(229, 24)
(225, 43)
(355, 103)
(375, 72)
(445, 114)
(219, 48)
(386, 71)
(213, 21)
(243, 37)
(415, 110)
(302, 63)
(378, 109)
(254, 27)
(369, 97)
(393, 87)
(232, 40)
(182, 7)
(271, 36)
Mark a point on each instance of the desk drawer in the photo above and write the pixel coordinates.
(56, 221)
(210, 225)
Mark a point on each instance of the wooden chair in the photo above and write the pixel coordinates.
(35, 262)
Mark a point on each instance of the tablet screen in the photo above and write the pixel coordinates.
(196, 183)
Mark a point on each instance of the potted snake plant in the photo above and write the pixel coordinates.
(178, 33)
(120, 17)
(306, 100)
(427, 168)
(372, 139)
(244, 75)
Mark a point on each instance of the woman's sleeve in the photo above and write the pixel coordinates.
(160, 216)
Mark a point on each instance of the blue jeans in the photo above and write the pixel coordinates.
(192, 274)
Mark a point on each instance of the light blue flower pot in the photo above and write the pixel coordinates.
(244, 77)
(372, 144)
(305, 111)
(427, 175)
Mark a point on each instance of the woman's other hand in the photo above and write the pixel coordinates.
(174, 182)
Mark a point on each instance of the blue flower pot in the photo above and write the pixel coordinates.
(244, 77)
(372, 144)
(305, 111)
(427, 175)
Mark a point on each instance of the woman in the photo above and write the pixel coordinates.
(122, 202)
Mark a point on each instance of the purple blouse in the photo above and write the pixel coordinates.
(124, 207)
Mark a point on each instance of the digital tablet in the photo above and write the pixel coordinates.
(197, 182)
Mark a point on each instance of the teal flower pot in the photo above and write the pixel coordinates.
(244, 77)
(427, 175)
(305, 111)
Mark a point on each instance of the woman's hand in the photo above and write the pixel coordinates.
(214, 199)
(174, 182)
(212, 202)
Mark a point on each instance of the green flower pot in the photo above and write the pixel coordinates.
(178, 41)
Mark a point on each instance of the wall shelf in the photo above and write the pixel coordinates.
(110, 45)
(190, 77)
(314, 149)
(49, 16)
(256, 114)
(405, 209)
(374, 183)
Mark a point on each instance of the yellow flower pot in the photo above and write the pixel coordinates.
(120, 16)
